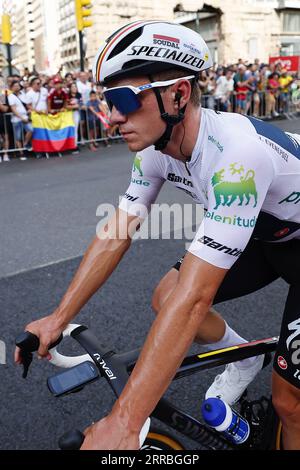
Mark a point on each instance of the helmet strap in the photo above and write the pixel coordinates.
(170, 119)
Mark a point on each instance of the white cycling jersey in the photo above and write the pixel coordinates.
(244, 171)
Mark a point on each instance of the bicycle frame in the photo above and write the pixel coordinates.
(116, 367)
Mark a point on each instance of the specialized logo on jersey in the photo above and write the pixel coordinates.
(294, 197)
(137, 165)
(282, 362)
(227, 192)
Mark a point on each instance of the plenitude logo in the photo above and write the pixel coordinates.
(231, 220)
(293, 197)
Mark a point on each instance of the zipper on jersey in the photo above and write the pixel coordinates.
(186, 167)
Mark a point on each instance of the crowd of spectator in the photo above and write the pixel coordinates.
(256, 89)
(76, 92)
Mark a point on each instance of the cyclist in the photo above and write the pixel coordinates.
(244, 171)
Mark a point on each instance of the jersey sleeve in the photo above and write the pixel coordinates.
(146, 181)
(236, 190)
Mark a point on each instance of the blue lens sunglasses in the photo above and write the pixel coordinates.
(125, 98)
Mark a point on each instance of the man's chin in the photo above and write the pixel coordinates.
(136, 146)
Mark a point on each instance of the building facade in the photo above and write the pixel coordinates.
(68, 36)
(233, 29)
(245, 29)
(111, 15)
(27, 27)
(35, 35)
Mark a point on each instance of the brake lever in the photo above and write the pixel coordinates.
(28, 343)
(26, 361)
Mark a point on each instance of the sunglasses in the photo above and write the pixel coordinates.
(125, 98)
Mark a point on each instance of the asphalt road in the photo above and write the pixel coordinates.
(48, 217)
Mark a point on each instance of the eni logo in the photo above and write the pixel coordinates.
(227, 192)
(137, 165)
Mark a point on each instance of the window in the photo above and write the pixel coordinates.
(291, 22)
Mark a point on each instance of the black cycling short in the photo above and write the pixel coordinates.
(259, 265)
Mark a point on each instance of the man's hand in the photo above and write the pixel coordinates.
(48, 329)
(110, 434)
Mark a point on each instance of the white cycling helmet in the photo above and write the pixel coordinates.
(147, 47)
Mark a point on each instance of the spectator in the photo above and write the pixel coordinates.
(241, 89)
(207, 86)
(23, 95)
(69, 79)
(19, 119)
(224, 88)
(9, 81)
(74, 103)
(26, 73)
(57, 97)
(37, 96)
(285, 82)
(203, 82)
(50, 84)
(107, 130)
(94, 107)
(253, 96)
(90, 76)
(272, 92)
(3, 128)
(84, 88)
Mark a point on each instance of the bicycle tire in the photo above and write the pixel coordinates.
(160, 440)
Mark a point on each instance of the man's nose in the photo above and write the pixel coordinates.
(116, 117)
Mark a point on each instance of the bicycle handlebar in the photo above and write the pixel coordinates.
(73, 440)
(28, 343)
(111, 368)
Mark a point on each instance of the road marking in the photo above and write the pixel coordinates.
(40, 266)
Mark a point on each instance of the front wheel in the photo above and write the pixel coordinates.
(159, 440)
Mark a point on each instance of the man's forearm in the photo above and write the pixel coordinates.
(99, 261)
(168, 341)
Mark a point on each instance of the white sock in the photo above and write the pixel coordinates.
(231, 338)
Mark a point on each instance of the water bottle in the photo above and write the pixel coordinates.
(220, 416)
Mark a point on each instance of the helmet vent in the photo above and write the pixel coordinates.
(129, 39)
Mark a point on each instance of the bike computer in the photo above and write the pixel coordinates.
(72, 379)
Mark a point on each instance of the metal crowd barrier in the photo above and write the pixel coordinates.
(259, 104)
(90, 129)
(86, 131)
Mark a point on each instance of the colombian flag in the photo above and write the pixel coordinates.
(53, 132)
